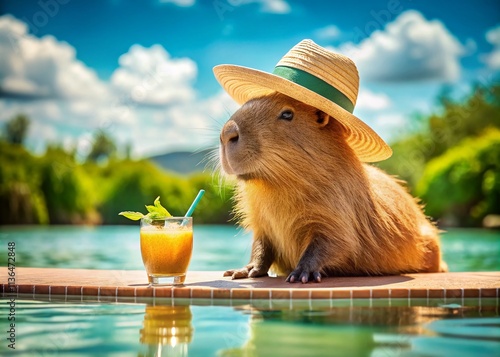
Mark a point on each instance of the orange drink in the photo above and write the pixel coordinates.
(166, 248)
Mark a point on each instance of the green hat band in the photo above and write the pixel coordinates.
(315, 84)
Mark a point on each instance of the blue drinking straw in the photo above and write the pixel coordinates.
(195, 203)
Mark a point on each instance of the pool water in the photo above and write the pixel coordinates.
(180, 329)
(165, 327)
(215, 247)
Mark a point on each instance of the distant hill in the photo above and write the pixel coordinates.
(182, 162)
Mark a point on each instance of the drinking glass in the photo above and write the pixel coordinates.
(166, 248)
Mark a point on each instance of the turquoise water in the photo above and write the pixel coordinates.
(197, 328)
(105, 329)
(117, 247)
(215, 247)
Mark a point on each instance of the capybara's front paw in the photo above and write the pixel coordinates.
(237, 273)
(249, 271)
(304, 276)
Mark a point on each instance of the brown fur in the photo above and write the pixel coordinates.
(313, 207)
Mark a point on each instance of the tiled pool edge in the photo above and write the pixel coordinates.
(101, 285)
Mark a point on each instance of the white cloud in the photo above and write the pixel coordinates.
(492, 59)
(43, 66)
(149, 100)
(390, 119)
(190, 124)
(389, 125)
(330, 32)
(372, 101)
(409, 48)
(151, 76)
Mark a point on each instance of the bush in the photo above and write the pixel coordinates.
(69, 191)
(463, 184)
(21, 198)
(453, 122)
(133, 184)
(129, 185)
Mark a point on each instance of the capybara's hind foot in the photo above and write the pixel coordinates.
(303, 276)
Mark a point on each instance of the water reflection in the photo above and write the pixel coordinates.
(359, 331)
(166, 331)
(440, 329)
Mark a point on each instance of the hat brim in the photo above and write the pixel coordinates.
(243, 84)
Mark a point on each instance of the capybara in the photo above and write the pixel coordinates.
(314, 205)
(314, 208)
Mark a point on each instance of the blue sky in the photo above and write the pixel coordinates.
(142, 70)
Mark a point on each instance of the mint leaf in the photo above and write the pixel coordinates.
(154, 212)
(135, 216)
(155, 215)
(160, 209)
(151, 208)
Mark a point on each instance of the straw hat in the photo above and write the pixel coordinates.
(313, 75)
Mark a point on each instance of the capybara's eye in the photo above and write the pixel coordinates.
(286, 115)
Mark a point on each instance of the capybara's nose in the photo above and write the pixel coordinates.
(229, 133)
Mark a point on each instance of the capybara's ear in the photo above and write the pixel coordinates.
(322, 118)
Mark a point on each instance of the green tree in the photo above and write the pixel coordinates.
(70, 192)
(463, 184)
(103, 147)
(453, 121)
(21, 199)
(129, 185)
(17, 128)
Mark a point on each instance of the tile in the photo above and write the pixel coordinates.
(25, 289)
(301, 294)
(361, 294)
(201, 293)
(182, 292)
(58, 290)
(91, 290)
(436, 293)
(239, 293)
(278, 294)
(210, 286)
(471, 293)
(222, 293)
(145, 292)
(418, 293)
(126, 291)
(341, 294)
(42, 289)
(489, 293)
(399, 293)
(107, 291)
(74, 291)
(320, 294)
(453, 293)
(263, 294)
(380, 293)
(160, 292)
